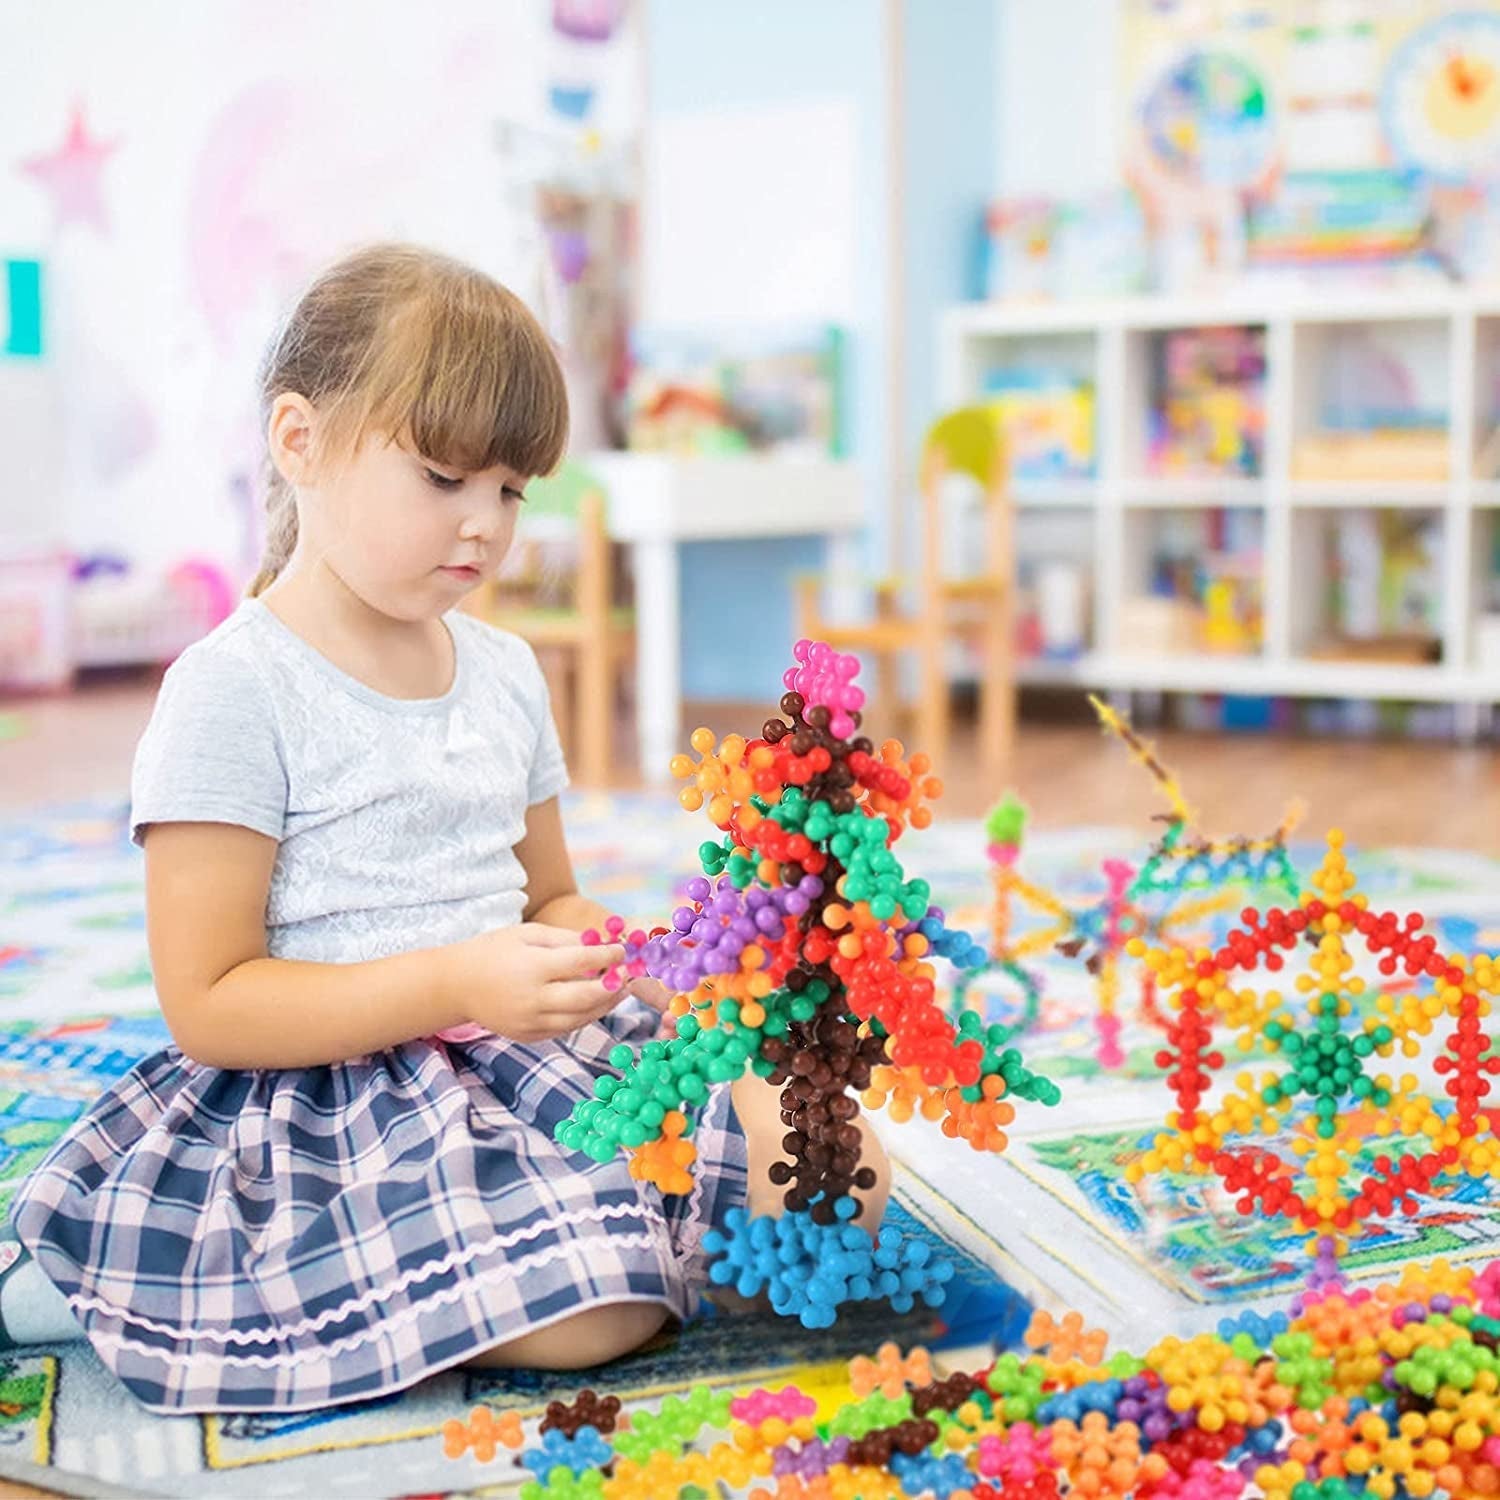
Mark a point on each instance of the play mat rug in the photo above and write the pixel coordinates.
(76, 1009)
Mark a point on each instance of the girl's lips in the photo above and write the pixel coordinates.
(467, 574)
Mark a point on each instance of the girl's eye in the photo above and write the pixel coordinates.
(441, 481)
(512, 494)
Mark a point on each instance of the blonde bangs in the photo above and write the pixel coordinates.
(462, 373)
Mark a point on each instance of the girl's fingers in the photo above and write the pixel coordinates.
(578, 962)
(652, 991)
(578, 1000)
(543, 935)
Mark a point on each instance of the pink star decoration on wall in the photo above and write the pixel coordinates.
(71, 174)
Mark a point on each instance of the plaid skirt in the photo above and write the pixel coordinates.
(244, 1241)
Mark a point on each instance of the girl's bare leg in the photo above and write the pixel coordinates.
(590, 1337)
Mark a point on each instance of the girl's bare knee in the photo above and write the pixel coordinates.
(591, 1337)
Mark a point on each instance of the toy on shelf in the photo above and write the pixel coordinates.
(1384, 598)
(1295, 1143)
(673, 417)
(1383, 407)
(1487, 452)
(1204, 584)
(1339, 221)
(805, 954)
(1047, 420)
(1052, 613)
(1222, 628)
(780, 390)
(1391, 1390)
(1041, 248)
(1158, 625)
(1183, 880)
(1208, 409)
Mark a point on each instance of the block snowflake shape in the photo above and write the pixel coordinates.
(805, 953)
(1331, 1100)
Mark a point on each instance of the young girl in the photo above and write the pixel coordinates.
(364, 927)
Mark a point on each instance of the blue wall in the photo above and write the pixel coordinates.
(707, 54)
(949, 115)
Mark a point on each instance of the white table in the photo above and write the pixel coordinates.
(657, 501)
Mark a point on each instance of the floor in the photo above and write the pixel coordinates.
(1386, 793)
(1068, 773)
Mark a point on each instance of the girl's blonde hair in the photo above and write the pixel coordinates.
(401, 340)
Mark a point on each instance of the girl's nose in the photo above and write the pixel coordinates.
(482, 522)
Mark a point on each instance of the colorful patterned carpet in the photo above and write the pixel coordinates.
(1054, 1217)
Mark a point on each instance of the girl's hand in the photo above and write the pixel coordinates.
(658, 997)
(532, 982)
(652, 991)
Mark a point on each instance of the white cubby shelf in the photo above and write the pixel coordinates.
(1457, 337)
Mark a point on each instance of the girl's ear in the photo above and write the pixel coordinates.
(289, 436)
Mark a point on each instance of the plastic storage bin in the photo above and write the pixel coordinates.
(35, 646)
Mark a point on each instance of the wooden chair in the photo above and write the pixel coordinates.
(582, 641)
(977, 608)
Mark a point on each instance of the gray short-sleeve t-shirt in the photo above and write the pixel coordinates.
(397, 819)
